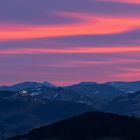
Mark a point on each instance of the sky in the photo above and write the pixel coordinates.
(68, 41)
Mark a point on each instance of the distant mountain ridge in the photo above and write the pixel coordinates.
(25, 85)
(122, 85)
(133, 86)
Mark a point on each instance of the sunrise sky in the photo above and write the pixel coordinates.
(68, 41)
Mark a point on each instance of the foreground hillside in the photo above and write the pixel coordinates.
(19, 115)
(89, 126)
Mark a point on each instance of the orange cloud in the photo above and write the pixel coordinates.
(123, 1)
(70, 51)
(90, 25)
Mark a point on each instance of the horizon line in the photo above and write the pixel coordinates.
(74, 83)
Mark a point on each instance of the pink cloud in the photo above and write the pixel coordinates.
(82, 50)
(90, 25)
(122, 1)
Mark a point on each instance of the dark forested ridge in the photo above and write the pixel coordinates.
(89, 126)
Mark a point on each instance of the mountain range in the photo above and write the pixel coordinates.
(126, 86)
(29, 105)
(25, 85)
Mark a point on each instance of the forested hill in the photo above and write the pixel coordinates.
(89, 126)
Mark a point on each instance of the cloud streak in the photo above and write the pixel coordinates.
(91, 25)
(122, 1)
(92, 50)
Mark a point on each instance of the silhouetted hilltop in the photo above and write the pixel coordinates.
(89, 126)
